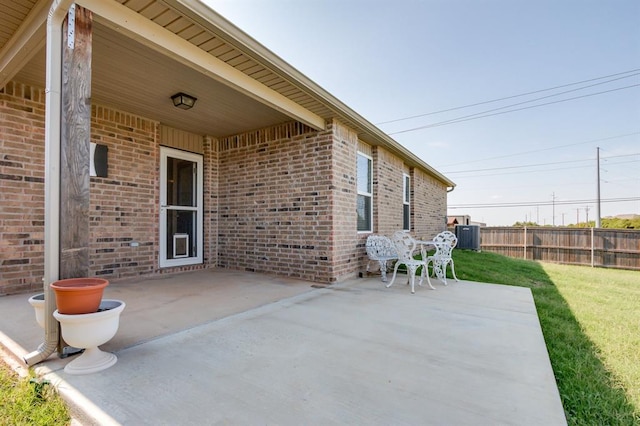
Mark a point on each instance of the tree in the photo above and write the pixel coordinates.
(528, 224)
(612, 223)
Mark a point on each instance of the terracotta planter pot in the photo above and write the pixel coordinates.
(79, 295)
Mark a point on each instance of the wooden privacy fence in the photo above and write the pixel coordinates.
(608, 248)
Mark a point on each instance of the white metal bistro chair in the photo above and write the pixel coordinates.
(381, 249)
(405, 247)
(444, 242)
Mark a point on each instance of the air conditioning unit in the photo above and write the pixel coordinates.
(468, 237)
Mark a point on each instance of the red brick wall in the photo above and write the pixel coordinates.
(21, 188)
(279, 200)
(124, 204)
(348, 244)
(428, 205)
(275, 194)
(428, 201)
(210, 231)
(387, 192)
(428, 198)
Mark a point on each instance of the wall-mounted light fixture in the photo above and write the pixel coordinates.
(183, 101)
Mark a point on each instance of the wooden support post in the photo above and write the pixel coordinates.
(74, 149)
(593, 249)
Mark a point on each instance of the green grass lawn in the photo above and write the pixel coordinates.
(26, 402)
(590, 319)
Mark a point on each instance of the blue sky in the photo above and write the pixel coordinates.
(389, 60)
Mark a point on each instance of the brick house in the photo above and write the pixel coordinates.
(267, 172)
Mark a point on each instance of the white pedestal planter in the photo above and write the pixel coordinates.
(89, 331)
(37, 301)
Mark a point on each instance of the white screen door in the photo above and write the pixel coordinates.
(180, 208)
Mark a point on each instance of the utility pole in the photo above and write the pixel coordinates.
(586, 209)
(598, 191)
(538, 215)
(553, 209)
(562, 218)
(577, 216)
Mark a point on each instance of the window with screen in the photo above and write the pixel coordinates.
(365, 193)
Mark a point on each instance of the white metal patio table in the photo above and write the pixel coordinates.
(423, 252)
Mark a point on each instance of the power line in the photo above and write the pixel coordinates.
(540, 164)
(546, 97)
(623, 162)
(514, 167)
(507, 97)
(626, 179)
(543, 149)
(616, 163)
(520, 172)
(541, 203)
(477, 116)
(618, 156)
(483, 187)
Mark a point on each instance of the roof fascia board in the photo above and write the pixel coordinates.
(25, 43)
(201, 13)
(126, 21)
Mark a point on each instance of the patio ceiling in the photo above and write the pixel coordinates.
(129, 76)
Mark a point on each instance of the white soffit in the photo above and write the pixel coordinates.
(22, 35)
(140, 28)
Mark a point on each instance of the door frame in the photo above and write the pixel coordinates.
(163, 262)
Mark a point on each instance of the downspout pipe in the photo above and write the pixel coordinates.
(57, 13)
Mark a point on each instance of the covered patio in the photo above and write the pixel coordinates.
(228, 347)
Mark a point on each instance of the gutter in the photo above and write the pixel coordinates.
(57, 13)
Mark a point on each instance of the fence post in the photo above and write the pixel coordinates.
(592, 249)
(525, 243)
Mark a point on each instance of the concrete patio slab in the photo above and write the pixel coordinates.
(353, 353)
